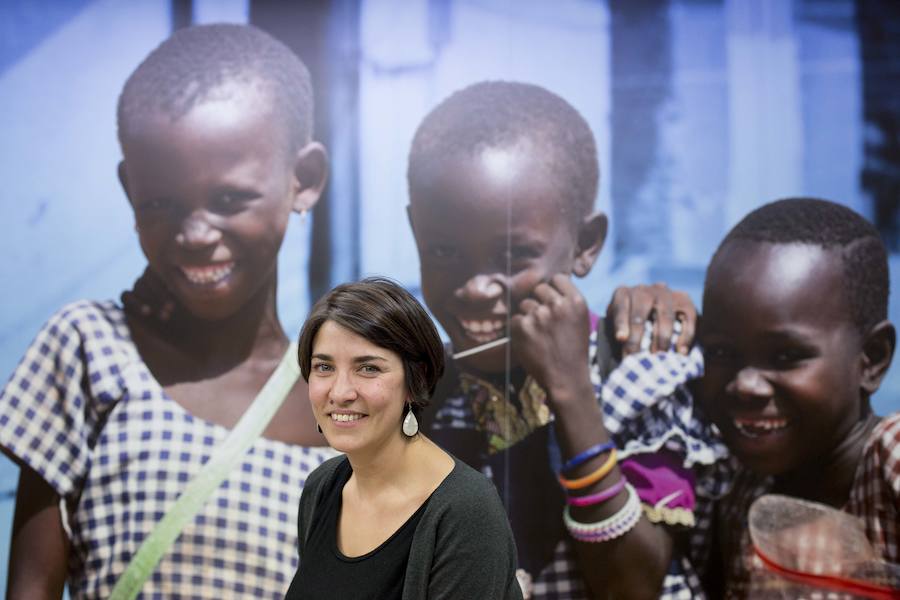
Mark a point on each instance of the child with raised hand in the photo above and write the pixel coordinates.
(110, 415)
(502, 179)
(796, 340)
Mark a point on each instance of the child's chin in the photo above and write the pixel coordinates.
(489, 362)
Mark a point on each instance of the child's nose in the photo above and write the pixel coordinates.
(481, 287)
(750, 383)
(196, 232)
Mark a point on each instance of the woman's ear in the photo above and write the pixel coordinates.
(591, 235)
(877, 352)
(310, 176)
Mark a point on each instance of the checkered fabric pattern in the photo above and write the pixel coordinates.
(83, 410)
(874, 498)
(645, 408)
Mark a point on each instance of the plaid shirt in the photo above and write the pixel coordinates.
(874, 498)
(646, 408)
(83, 411)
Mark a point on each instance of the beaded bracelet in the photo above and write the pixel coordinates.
(599, 497)
(600, 473)
(610, 528)
(586, 455)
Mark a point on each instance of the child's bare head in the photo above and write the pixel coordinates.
(504, 114)
(502, 181)
(215, 127)
(795, 332)
(205, 62)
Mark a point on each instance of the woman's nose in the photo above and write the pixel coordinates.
(481, 287)
(342, 388)
(197, 232)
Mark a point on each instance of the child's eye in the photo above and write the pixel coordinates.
(153, 205)
(519, 257)
(788, 357)
(231, 201)
(717, 353)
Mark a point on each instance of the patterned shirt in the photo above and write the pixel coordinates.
(509, 436)
(874, 498)
(83, 410)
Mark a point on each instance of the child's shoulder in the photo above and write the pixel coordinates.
(88, 314)
(885, 443)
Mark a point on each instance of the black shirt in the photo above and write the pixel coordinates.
(326, 573)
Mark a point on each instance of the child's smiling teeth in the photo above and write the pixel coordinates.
(482, 330)
(754, 428)
(208, 274)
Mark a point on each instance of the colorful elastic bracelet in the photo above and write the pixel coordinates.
(608, 529)
(583, 482)
(599, 497)
(587, 455)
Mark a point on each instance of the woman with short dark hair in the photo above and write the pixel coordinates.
(397, 517)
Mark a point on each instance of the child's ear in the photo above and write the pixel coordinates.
(591, 235)
(310, 175)
(877, 352)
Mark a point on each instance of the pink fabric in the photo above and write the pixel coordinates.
(658, 475)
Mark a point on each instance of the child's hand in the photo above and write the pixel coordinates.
(149, 298)
(550, 339)
(631, 307)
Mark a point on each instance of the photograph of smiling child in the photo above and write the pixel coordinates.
(796, 339)
(502, 182)
(110, 414)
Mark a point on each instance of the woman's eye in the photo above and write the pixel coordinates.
(369, 369)
(321, 367)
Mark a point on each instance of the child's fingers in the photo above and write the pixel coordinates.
(546, 294)
(619, 312)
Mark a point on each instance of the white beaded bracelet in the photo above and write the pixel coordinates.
(610, 528)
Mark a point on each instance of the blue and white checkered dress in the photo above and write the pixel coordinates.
(646, 408)
(83, 411)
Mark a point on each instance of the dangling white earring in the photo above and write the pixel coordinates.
(410, 423)
(303, 215)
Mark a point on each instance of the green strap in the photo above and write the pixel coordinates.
(210, 477)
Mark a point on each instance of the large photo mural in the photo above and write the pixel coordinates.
(637, 340)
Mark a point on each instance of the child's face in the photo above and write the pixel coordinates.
(211, 193)
(783, 357)
(472, 272)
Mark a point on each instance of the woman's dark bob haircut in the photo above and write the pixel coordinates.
(381, 311)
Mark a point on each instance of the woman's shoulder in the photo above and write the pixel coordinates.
(465, 489)
(323, 473)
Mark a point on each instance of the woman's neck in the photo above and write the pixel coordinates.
(829, 478)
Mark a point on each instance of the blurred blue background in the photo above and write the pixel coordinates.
(702, 110)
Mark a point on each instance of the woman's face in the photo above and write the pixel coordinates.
(357, 389)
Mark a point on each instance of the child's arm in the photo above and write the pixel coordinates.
(39, 549)
(550, 338)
